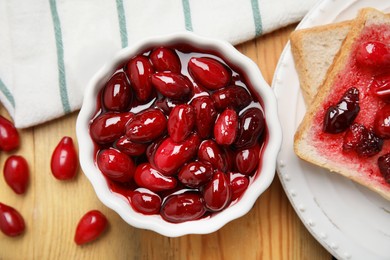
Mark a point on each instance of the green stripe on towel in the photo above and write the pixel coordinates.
(187, 15)
(7, 93)
(60, 57)
(122, 22)
(257, 17)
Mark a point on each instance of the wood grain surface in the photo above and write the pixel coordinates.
(51, 208)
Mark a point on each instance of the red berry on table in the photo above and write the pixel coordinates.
(9, 136)
(11, 222)
(16, 173)
(90, 227)
(64, 160)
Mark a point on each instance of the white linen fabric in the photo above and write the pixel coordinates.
(49, 49)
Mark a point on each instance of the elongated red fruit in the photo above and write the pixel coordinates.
(11, 222)
(90, 227)
(209, 72)
(139, 70)
(64, 160)
(16, 173)
(9, 136)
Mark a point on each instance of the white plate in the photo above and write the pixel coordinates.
(350, 221)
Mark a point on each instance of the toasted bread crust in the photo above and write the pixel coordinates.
(311, 67)
(302, 146)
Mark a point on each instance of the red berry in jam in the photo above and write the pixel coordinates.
(64, 160)
(384, 166)
(147, 177)
(238, 184)
(230, 156)
(90, 227)
(151, 150)
(145, 201)
(181, 122)
(195, 174)
(251, 127)
(373, 54)
(165, 59)
(232, 96)
(362, 140)
(340, 116)
(9, 136)
(205, 115)
(183, 207)
(128, 147)
(172, 85)
(139, 70)
(146, 126)
(382, 122)
(16, 173)
(170, 156)
(210, 152)
(166, 104)
(381, 86)
(117, 93)
(209, 72)
(225, 128)
(247, 159)
(108, 127)
(115, 165)
(216, 192)
(11, 222)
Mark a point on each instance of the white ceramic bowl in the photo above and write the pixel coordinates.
(154, 222)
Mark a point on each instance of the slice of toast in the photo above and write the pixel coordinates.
(325, 150)
(313, 50)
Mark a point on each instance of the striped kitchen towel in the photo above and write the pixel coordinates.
(50, 48)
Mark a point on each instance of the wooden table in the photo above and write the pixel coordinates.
(271, 230)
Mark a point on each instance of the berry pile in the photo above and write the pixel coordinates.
(179, 132)
(64, 165)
